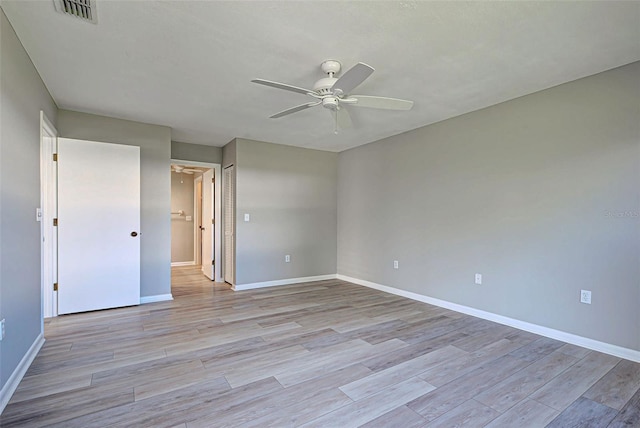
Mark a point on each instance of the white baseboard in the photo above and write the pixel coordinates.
(14, 380)
(251, 286)
(156, 298)
(191, 263)
(596, 345)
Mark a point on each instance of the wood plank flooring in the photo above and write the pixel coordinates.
(323, 354)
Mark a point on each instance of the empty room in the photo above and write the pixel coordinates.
(319, 213)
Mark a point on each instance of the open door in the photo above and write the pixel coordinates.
(208, 262)
(49, 211)
(197, 216)
(98, 225)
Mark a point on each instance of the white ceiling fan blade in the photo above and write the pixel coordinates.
(293, 110)
(352, 78)
(380, 102)
(283, 86)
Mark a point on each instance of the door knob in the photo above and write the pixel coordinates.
(134, 234)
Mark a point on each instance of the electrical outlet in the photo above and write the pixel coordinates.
(287, 258)
(479, 278)
(247, 217)
(585, 296)
(395, 264)
(2, 329)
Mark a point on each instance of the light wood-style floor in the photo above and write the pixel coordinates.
(329, 354)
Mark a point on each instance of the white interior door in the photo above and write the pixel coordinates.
(49, 206)
(207, 224)
(197, 215)
(98, 225)
(229, 225)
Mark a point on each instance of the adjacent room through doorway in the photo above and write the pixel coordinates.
(194, 239)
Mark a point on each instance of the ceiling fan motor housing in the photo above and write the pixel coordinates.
(324, 85)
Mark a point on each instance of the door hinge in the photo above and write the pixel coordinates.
(213, 262)
(213, 180)
(213, 221)
(55, 286)
(55, 221)
(55, 157)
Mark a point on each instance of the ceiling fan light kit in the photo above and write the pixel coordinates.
(332, 92)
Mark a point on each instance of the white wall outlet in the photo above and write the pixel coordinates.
(247, 217)
(585, 296)
(479, 278)
(38, 214)
(2, 329)
(287, 258)
(395, 264)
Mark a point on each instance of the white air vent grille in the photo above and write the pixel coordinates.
(83, 9)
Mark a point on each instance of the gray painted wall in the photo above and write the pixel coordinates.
(181, 229)
(229, 154)
(22, 96)
(290, 193)
(196, 152)
(532, 193)
(155, 186)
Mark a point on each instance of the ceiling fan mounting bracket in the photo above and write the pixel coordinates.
(331, 67)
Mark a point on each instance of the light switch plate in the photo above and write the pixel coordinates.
(247, 217)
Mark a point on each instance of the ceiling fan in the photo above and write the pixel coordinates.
(333, 93)
(181, 169)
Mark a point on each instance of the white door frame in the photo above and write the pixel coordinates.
(230, 217)
(45, 214)
(217, 211)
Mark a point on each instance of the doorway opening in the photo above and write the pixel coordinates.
(195, 207)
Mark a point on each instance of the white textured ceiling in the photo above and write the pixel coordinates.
(188, 64)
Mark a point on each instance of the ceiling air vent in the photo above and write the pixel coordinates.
(83, 9)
